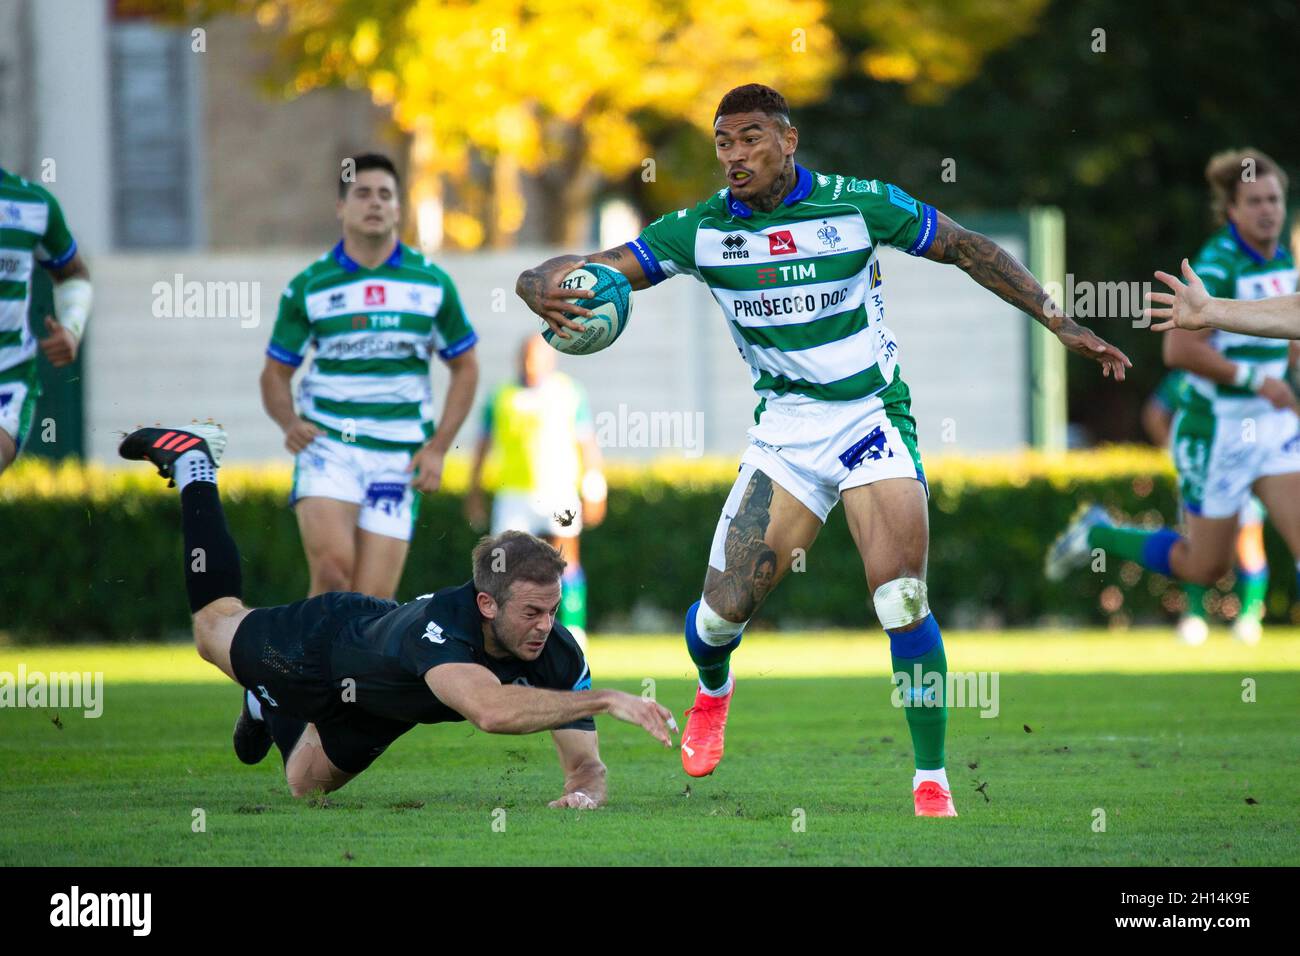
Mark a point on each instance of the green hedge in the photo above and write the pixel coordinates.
(90, 554)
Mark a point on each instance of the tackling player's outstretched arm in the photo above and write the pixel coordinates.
(475, 693)
(998, 271)
(584, 772)
(540, 288)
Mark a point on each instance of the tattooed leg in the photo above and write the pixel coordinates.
(761, 530)
(750, 562)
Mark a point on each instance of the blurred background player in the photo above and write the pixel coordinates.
(549, 479)
(1236, 430)
(834, 415)
(375, 310)
(33, 232)
(1251, 580)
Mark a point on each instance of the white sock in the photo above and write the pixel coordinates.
(193, 466)
(722, 691)
(254, 705)
(939, 776)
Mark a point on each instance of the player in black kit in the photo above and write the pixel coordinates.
(333, 680)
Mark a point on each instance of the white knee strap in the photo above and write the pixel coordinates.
(901, 602)
(714, 630)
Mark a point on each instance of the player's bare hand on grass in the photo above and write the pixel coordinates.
(59, 344)
(541, 291)
(427, 463)
(1085, 342)
(657, 720)
(577, 800)
(1186, 303)
(299, 435)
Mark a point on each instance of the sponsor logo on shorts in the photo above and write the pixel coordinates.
(873, 447)
(387, 496)
(266, 695)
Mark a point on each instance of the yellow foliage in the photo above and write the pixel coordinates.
(37, 478)
(464, 230)
(512, 76)
(935, 45)
(576, 84)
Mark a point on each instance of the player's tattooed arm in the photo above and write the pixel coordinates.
(998, 271)
(751, 563)
(541, 291)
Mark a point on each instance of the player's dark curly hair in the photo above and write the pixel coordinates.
(754, 98)
(348, 171)
(502, 559)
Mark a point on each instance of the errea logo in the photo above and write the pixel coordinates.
(433, 633)
(735, 247)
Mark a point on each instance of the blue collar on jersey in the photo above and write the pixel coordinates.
(1241, 244)
(351, 265)
(802, 190)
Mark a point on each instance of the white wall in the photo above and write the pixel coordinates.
(963, 352)
(71, 114)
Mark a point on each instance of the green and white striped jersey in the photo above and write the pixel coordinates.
(801, 286)
(1231, 269)
(32, 230)
(374, 330)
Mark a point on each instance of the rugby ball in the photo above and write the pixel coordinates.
(612, 304)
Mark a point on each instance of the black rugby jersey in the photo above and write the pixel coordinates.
(387, 652)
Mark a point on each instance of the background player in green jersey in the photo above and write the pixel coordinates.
(1236, 431)
(1251, 584)
(791, 258)
(33, 232)
(363, 431)
(548, 467)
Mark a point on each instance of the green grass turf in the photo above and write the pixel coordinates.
(1173, 757)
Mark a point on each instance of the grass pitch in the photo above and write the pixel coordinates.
(1131, 730)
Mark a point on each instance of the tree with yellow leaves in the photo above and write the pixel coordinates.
(545, 99)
